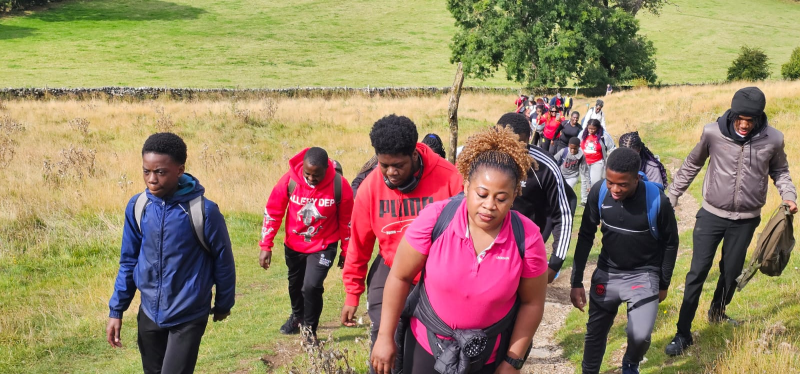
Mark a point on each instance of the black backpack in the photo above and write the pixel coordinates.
(475, 351)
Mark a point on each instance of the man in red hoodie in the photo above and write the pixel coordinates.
(319, 202)
(411, 177)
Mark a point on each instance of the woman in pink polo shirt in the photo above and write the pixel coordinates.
(476, 279)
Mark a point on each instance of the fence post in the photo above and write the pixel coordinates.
(452, 113)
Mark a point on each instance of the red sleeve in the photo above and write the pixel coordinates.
(362, 242)
(456, 184)
(418, 234)
(274, 212)
(535, 263)
(345, 211)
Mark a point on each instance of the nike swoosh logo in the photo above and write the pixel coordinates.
(637, 287)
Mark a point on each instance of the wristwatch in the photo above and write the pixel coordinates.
(515, 363)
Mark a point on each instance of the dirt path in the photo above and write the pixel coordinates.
(547, 356)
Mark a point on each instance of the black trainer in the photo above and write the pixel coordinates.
(678, 344)
(292, 325)
(720, 317)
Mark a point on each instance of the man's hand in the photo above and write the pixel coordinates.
(792, 206)
(340, 265)
(673, 200)
(551, 275)
(219, 316)
(578, 298)
(662, 295)
(349, 315)
(265, 259)
(112, 332)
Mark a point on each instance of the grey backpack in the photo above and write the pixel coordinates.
(196, 214)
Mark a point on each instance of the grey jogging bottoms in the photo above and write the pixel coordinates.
(608, 291)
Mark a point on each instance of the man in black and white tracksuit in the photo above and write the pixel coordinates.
(635, 263)
(546, 197)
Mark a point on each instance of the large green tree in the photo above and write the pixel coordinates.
(550, 42)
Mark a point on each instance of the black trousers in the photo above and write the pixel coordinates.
(538, 139)
(549, 146)
(709, 231)
(169, 350)
(307, 273)
(375, 284)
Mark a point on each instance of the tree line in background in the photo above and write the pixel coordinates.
(9, 5)
(752, 64)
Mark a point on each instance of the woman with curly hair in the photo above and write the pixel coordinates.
(475, 255)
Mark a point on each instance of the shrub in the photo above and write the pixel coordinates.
(750, 65)
(791, 69)
(9, 5)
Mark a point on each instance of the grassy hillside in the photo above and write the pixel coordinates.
(260, 43)
(241, 43)
(60, 229)
(696, 40)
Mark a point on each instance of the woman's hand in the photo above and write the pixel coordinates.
(383, 355)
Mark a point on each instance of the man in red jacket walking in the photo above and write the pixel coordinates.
(411, 177)
(319, 202)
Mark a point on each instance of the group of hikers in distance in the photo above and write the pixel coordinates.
(459, 281)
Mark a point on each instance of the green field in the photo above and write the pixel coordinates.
(696, 40)
(260, 43)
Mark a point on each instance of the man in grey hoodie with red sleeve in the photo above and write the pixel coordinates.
(743, 150)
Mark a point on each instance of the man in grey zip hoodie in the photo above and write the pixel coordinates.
(743, 150)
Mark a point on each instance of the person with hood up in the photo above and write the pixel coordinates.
(409, 177)
(743, 150)
(318, 203)
(171, 261)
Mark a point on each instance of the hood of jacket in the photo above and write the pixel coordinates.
(189, 187)
(725, 123)
(296, 172)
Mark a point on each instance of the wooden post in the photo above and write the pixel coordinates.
(452, 113)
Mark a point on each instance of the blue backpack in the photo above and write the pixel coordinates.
(653, 196)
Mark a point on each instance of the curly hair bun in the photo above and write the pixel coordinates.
(498, 148)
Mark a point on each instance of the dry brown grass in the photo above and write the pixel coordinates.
(63, 172)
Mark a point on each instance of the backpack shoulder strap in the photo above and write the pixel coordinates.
(337, 188)
(138, 208)
(519, 233)
(653, 197)
(290, 187)
(564, 155)
(198, 217)
(603, 193)
(446, 216)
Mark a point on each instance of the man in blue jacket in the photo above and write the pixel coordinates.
(173, 260)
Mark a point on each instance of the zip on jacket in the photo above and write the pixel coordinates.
(747, 164)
